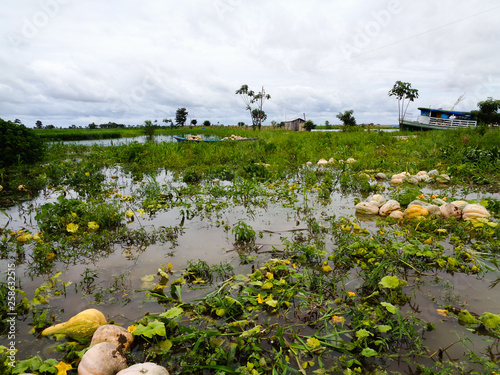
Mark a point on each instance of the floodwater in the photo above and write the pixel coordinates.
(205, 238)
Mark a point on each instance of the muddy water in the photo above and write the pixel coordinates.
(205, 239)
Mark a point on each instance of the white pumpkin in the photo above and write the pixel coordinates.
(115, 334)
(102, 359)
(388, 207)
(378, 199)
(396, 214)
(450, 210)
(460, 204)
(366, 208)
(147, 368)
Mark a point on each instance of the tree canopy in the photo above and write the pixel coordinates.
(19, 144)
(181, 116)
(403, 91)
(488, 111)
(249, 97)
(347, 119)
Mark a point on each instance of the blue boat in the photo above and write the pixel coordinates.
(439, 119)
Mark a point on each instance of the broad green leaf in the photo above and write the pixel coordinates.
(389, 306)
(368, 352)
(153, 328)
(384, 328)
(267, 285)
(272, 303)
(220, 312)
(251, 332)
(172, 313)
(362, 333)
(390, 282)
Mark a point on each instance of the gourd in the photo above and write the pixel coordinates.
(378, 199)
(450, 210)
(366, 208)
(388, 207)
(474, 211)
(114, 334)
(414, 211)
(81, 326)
(147, 368)
(102, 359)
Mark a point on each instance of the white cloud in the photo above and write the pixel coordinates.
(75, 62)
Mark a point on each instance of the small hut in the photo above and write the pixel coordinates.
(295, 125)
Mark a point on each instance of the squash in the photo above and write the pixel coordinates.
(117, 335)
(388, 207)
(102, 359)
(396, 214)
(414, 211)
(450, 210)
(147, 368)
(378, 199)
(365, 208)
(474, 211)
(81, 326)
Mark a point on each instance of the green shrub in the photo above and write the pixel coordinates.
(19, 144)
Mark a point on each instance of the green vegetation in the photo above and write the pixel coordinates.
(19, 144)
(308, 290)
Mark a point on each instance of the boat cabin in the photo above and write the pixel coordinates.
(446, 119)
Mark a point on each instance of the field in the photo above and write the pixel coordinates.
(250, 258)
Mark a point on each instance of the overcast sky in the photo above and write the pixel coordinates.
(76, 62)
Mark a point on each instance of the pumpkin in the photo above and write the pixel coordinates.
(378, 199)
(366, 208)
(102, 359)
(460, 204)
(414, 211)
(450, 210)
(396, 215)
(81, 326)
(147, 368)
(388, 207)
(322, 162)
(115, 334)
(474, 211)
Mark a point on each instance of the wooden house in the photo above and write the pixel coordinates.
(295, 125)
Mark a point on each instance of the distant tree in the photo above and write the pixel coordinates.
(347, 119)
(403, 91)
(181, 116)
(194, 122)
(39, 124)
(168, 122)
(92, 126)
(240, 124)
(274, 124)
(309, 125)
(257, 117)
(19, 144)
(249, 97)
(206, 123)
(327, 124)
(50, 126)
(149, 128)
(17, 121)
(488, 111)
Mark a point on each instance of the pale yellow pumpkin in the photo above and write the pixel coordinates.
(474, 211)
(81, 326)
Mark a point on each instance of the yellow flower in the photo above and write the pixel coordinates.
(141, 211)
(131, 329)
(259, 299)
(129, 214)
(87, 174)
(62, 368)
(337, 319)
(326, 268)
(74, 214)
(93, 225)
(351, 294)
(72, 227)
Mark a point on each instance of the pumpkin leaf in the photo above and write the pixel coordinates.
(363, 333)
(172, 313)
(389, 306)
(368, 352)
(313, 343)
(153, 328)
(390, 282)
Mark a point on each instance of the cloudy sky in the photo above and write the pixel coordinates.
(76, 62)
